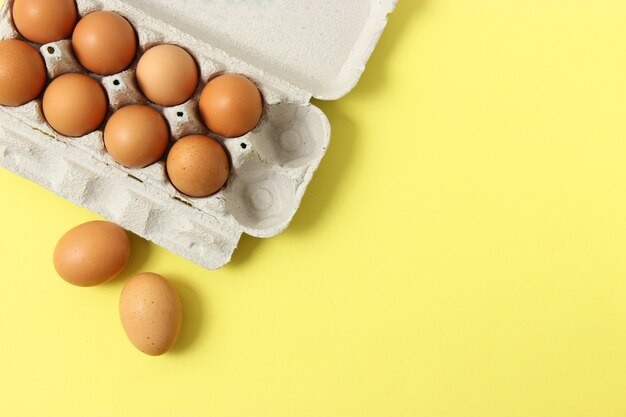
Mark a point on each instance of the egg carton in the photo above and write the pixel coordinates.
(293, 51)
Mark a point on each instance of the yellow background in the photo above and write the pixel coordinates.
(459, 253)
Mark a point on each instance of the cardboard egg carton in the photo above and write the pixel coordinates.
(291, 50)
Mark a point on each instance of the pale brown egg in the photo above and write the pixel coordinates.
(136, 136)
(44, 21)
(151, 314)
(22, 73)
(104, 43)
(231, 105)
(74, 104)
(167, 75)
(92, 253)
(198, 166)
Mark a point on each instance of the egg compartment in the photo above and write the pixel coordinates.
(291, 51)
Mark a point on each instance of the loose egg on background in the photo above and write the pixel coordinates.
(22, 73)
(231, 105)
(151, 314)
(136, 136)
(167, 75)
(74, 104)
(44, 21)
(92, 253)
(198, 166)
(104, 43)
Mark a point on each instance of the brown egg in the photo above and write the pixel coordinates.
(136, 136)
(231, 105)
(92, 253)
(198, 166)
(167, 75)
(74, 104)
(44, 21)
(151, 314)
(104, 43)
(22, 73)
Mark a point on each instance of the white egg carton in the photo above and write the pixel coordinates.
(291, 50)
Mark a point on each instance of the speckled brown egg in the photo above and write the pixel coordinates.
(198, 166)
(231, 105)
(136, 136)
(74, 104)
(44, 21)
(22, 73)
(151, 313)
(167, 75)
(104, 43)
(92, 253)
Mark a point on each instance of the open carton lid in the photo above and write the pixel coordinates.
(320, 46)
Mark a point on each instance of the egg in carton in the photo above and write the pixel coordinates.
(291, 51)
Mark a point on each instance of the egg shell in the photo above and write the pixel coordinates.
(22, 73)
(167, 75)
(231, 105)
(151, 314)
(45, 21)
(92, 253)
(104, 42)
(74, 104)
(136, 136)
(198, 166)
